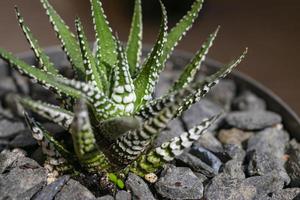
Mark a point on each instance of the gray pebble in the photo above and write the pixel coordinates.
(179, 183)
(252, 120)
(137, 186)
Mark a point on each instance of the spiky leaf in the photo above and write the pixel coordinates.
(180, 29)
(123, 93)
(148, 76)
(106, 45)
(51, 112)
(67, 38)
(93, 74)
(43, 59)
(57, 155)
(190, 70)
(157, 157)
(84, 141)
(134, 44)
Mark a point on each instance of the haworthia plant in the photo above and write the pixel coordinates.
(110, 113)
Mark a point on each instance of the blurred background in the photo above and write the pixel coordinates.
(270, 28)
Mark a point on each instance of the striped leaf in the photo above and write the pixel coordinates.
(53, 113)
(84, 141)
(180, 30)
(91, 70)
(134, 44)
(148, 76)
(190, 94)
(202, 88)
(57, 155)
(67, 38)
(123, 93)
(41, 56)
(106, 45)
(191, 69)
(156, 158)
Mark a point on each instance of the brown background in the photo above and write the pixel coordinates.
(270, 28)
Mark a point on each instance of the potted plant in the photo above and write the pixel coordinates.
(115, 134)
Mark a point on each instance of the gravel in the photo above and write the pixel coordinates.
(75, 191)
(138, 187)
(9, 129)
(248, 101)
(252, 120)
(179, 183)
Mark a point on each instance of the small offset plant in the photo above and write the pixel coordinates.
(108, 108)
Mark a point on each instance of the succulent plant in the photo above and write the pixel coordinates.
(108, 108)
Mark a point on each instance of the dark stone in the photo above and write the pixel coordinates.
(208, 157)
(5, 113)
(8, 129)
(75, 191)
(209, 142)
(11, 103)
(265, 153)
(189, 160)
(223, 93)
(272, 140)
(179, 183)
(224, 187)
(249, 101)
(139, 189)
(106, 197)
(203, 179)
(265, 184)
(49, 192)
(293, 164)
(7, 85)
(123, 195)
(3, 144)
(235, 151)
(21, 82)
(252, 120)
(7, 158)
(233, 136)
(200, 111)
(234, 169)
(23, 175)
(163, 84)
(28, 195)
(23, 139)
(287, 194)
(174, 129)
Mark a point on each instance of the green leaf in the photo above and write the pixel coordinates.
(120, 184)
(148, 76)
(106, 45)
(188, 95)
(84, 141)
(44, 78)
(191, 69)
(92, 73)
(67, 38)
(202, 88)
(103, 106)
(51, 147)
(123, 93)
(156, 158)
(134, 44)
(53, 113)
(180, 30)
(43, 59)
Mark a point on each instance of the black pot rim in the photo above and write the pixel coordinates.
(291, 120)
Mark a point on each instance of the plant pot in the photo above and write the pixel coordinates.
(68, 188)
